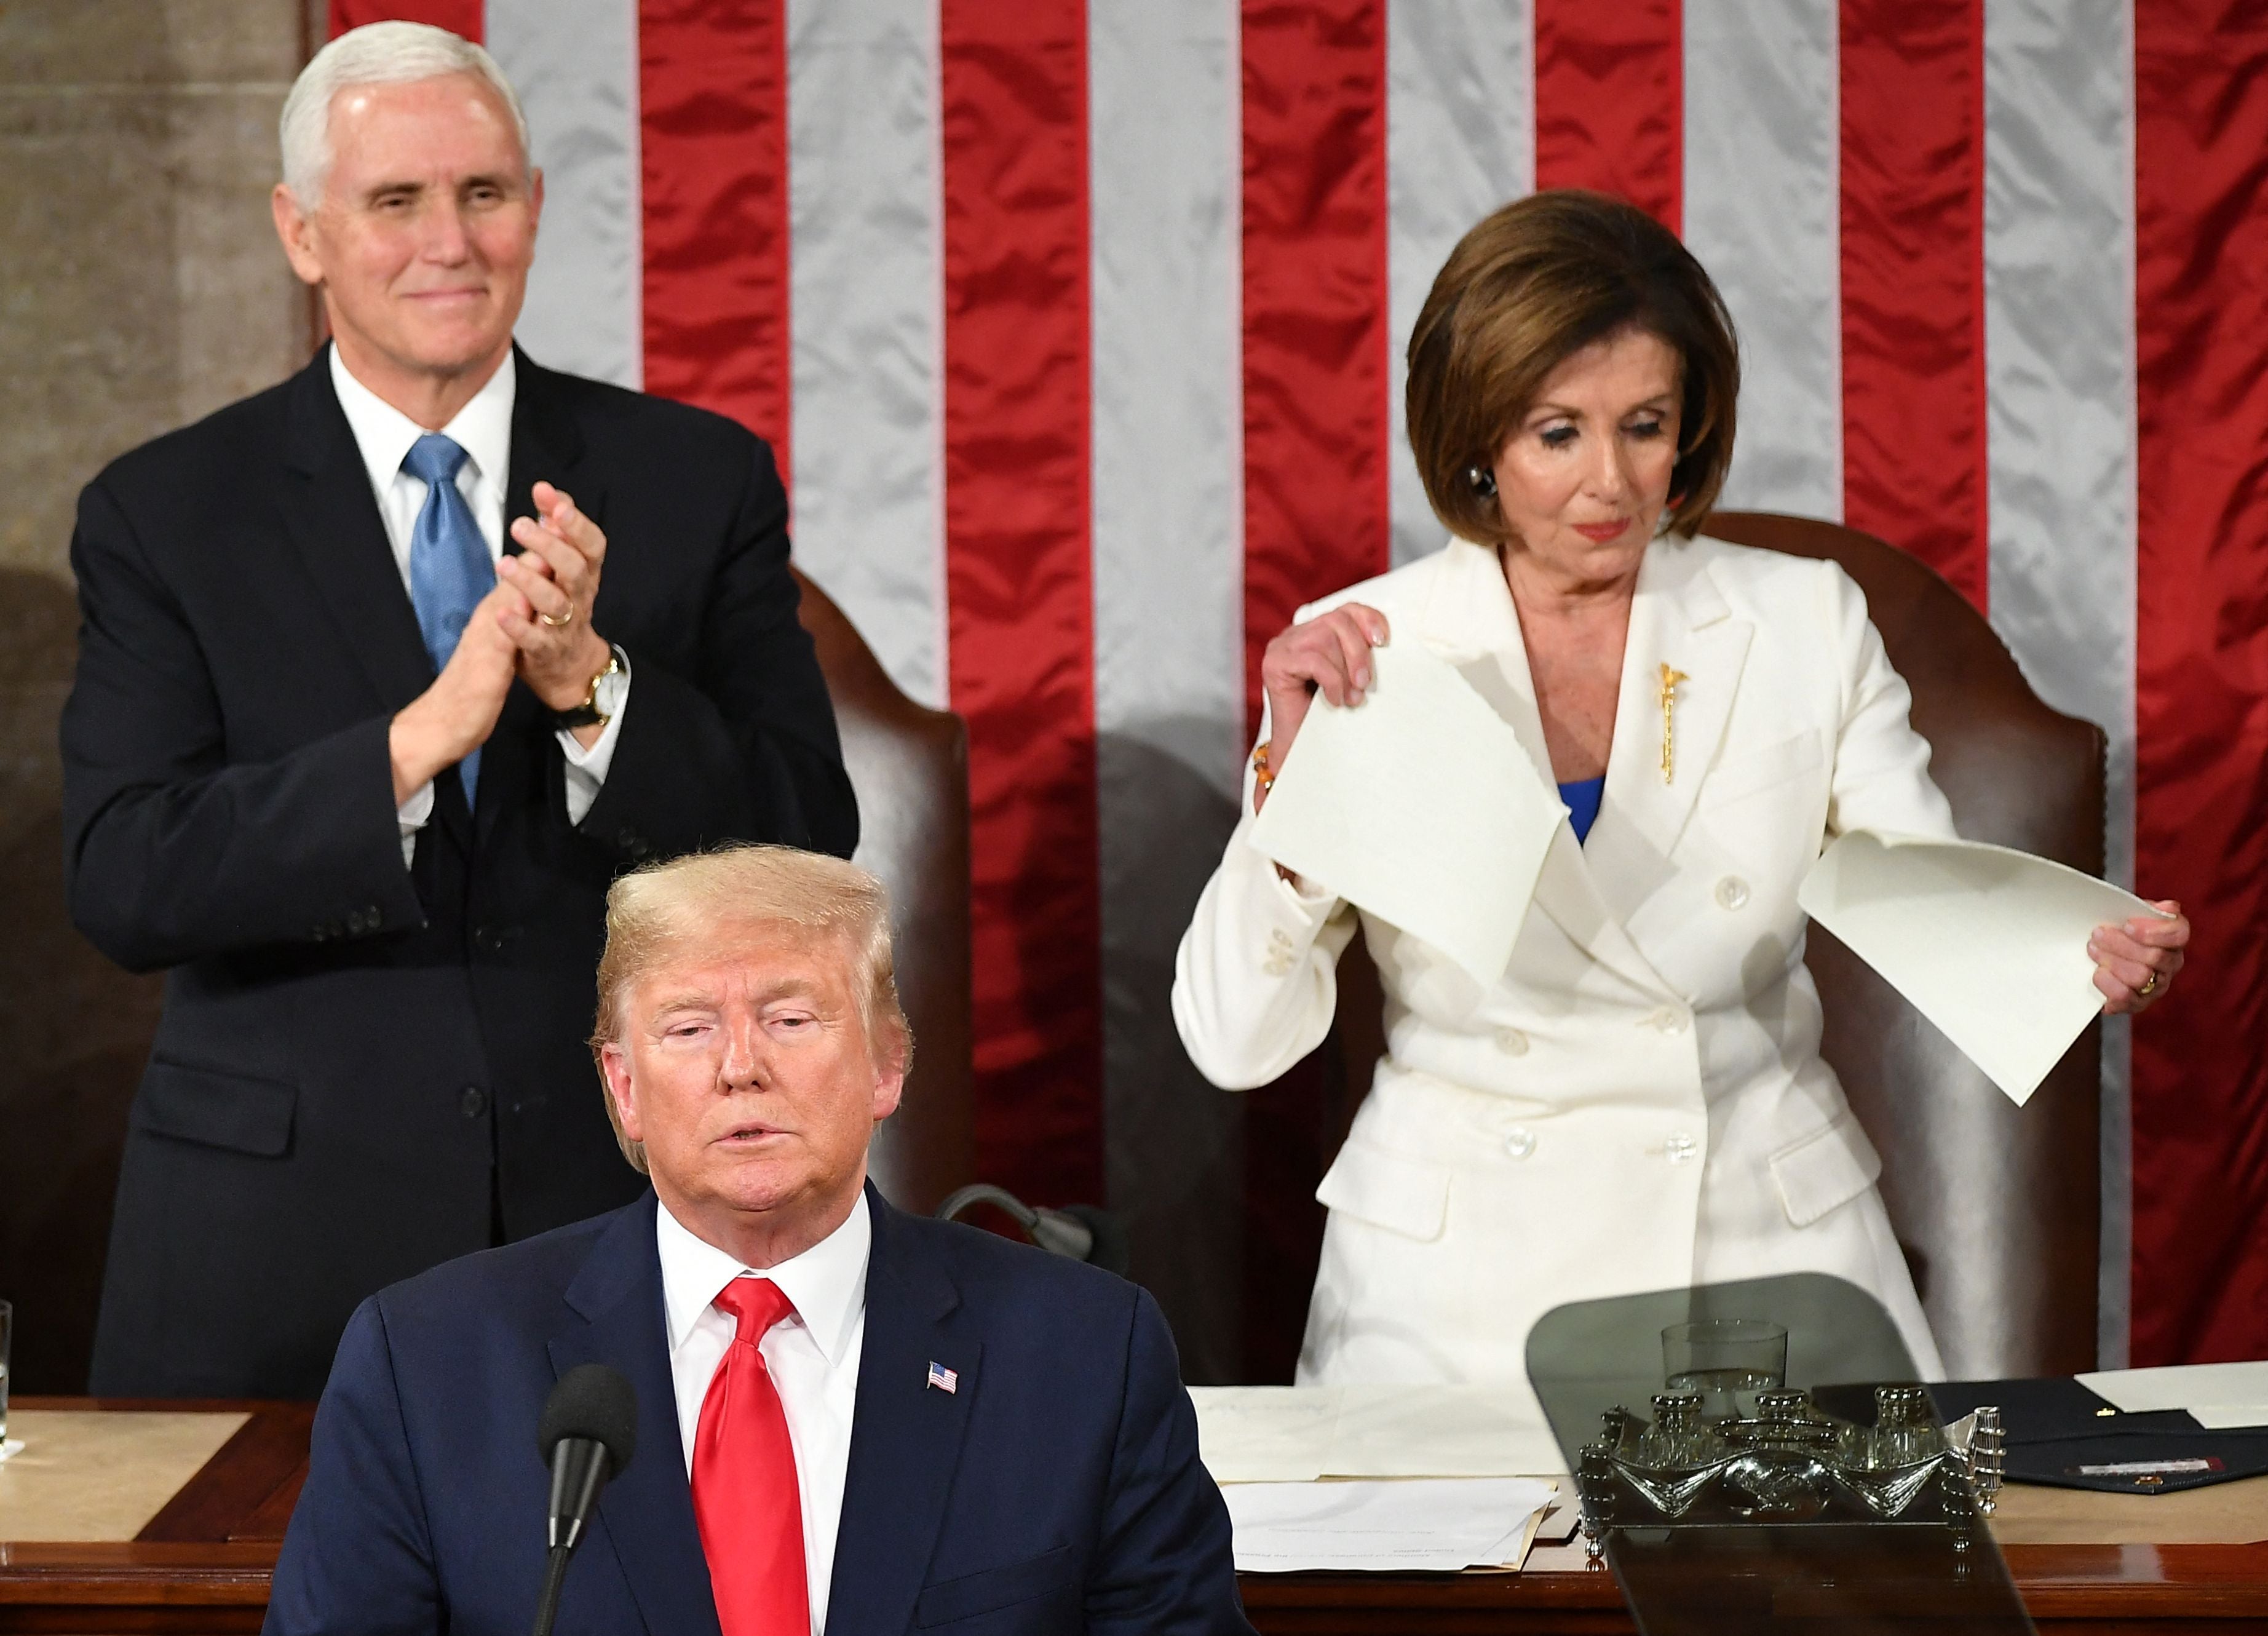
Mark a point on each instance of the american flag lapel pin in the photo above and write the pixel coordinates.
(944, 1380)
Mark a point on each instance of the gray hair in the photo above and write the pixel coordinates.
(376, 54)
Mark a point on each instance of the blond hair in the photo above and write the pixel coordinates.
(657, 914)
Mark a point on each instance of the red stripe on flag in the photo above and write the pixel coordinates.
(1610, 100)
(1316, 447)
(1315, 427)
(712, 129)
(2200, 1069)
(459, 16)
(1914, 456)
(1020, 577)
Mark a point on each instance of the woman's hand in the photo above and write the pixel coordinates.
(2135, 964)
(1329, 654)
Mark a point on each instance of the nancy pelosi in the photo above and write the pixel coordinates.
(1638, 1103)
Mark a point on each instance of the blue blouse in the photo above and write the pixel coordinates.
(1582, 798)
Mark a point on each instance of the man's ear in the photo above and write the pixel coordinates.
(889, 1088)
(296, 228)
(614, 1064)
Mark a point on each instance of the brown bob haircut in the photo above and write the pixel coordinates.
(1529, 286)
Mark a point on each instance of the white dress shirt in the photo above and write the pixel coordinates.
(813, 1357)
(383, 435)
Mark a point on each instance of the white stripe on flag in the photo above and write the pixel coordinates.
(1164, 170)
(867, 247)
(575, 65)
(2059, 351)
(1459, 141)
(1762, 203)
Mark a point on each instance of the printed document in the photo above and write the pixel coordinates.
(1990, 944)
(1419, 806)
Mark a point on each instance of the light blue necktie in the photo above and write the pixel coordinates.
(449, 566)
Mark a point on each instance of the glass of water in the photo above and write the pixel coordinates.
(1727, 1360)
(7, 1325)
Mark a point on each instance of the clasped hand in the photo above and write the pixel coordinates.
(534, 625)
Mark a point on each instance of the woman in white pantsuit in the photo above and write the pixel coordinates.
(1639, 1101)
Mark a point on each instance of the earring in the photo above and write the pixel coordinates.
(1483, 481)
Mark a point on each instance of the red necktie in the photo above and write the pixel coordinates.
(745, 1495)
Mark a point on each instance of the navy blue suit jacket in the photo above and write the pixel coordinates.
(1057, 1489)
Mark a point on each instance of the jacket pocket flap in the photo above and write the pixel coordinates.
(1830, 1167)
(1404, 1196)
(994, 1589)
(232, 1110)
(1763, 769)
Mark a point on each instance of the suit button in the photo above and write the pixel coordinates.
(473, 1102)
(1732, 893)
(1681, 1148)
(1666, 1020)
(1519, 1141)
(1512, 1042)
(488, 940)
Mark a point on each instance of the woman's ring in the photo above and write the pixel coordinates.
(2149, 988)
(562, 622)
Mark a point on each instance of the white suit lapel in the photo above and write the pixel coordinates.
(1470, 622)
(1678, 618)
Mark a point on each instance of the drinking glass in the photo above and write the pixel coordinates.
(7, 1323)
(1727, 1360)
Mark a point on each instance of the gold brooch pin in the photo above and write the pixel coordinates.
(1669, 681)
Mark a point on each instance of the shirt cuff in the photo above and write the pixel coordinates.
(586, 769)
(413, 815)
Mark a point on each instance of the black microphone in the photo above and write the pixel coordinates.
(588, 1432)
(1077, 1232)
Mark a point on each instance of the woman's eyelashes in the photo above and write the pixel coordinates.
(1645, 428)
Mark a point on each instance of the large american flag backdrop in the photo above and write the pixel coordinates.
(1077, 324)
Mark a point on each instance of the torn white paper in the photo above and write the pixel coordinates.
(1988, 943)
(1418, 805)
(1408, 1527)
(2220, 1396)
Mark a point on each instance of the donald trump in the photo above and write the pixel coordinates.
(850, 1418)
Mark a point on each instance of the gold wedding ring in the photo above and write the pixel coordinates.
(560, 623)
(2149, 988)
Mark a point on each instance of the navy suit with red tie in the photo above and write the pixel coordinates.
(1057, 1489)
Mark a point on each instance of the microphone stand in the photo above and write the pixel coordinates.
(579, 1467)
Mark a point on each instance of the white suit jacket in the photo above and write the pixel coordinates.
(1639, 1101)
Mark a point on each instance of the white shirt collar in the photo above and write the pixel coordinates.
(827, 1283)
(383, 433)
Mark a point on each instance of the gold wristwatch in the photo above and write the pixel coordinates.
(587, 714)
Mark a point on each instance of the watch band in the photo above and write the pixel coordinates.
(587, 714)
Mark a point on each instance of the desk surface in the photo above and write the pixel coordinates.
(202, 1564)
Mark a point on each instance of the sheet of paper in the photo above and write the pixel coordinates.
(1422, 1527)
(2220, 1394)
(1988, 943)
(1297, 1434)
(1265, 1434)
(1419, 806)
(1441, 1431)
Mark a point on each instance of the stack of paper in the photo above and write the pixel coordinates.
(1410, 1527)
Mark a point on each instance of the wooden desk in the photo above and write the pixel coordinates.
(202, 1565)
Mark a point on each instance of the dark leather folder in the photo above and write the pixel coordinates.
(2065, 1436)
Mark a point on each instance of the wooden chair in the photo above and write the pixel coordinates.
(1997, 1207)
(909, 766)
